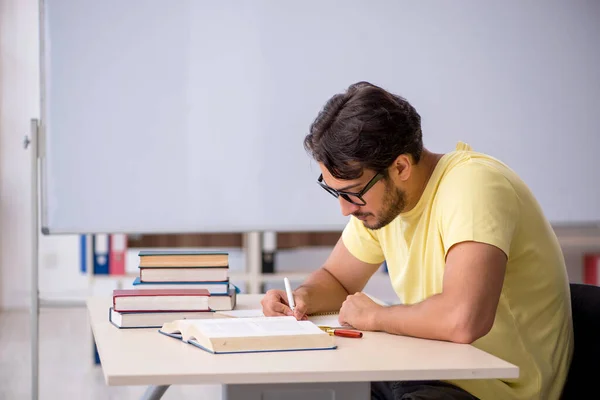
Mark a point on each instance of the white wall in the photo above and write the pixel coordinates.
(18, 95)
(19, 102)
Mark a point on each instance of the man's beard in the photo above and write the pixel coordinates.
(393, 204)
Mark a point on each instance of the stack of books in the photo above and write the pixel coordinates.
(173, 285)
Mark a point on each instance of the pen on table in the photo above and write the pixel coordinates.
(349, 333)
(288, 290)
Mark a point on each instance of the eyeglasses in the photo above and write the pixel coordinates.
(352, 197)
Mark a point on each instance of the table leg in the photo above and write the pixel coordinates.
(299, 391)
(154, 392)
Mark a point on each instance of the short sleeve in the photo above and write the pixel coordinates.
(476, 202)
(362, 242)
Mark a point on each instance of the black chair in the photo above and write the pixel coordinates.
(584, 371)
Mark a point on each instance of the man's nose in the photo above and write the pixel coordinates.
(347, 207)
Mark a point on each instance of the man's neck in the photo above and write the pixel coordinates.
(421, 174)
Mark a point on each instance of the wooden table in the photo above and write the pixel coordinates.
(146, 357)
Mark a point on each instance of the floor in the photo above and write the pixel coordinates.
(66, 370)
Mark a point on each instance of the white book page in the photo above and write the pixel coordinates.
(262, 326)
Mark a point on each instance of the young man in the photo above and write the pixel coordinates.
(468, 249)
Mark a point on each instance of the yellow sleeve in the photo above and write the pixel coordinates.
(477, 203)
(362, 242)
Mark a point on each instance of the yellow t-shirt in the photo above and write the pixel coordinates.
(474, 197)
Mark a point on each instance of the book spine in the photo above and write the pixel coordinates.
(100, 251)
(117, 251)
(591, 269)
(83, 253)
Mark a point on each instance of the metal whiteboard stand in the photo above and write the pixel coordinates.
(32, 142)
(253, 253)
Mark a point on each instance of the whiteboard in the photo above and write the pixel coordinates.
(189, 116)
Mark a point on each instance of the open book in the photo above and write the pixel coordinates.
(241, 335)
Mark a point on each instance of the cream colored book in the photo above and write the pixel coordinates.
(252, 334)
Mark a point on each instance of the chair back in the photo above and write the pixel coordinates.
(584, 369)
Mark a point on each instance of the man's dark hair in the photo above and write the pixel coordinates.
(364, 128)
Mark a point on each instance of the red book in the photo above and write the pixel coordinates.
(117, 253)
(591, 269)
(156, 300)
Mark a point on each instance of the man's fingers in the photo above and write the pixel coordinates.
(300, 310)
(274, 296)
(275, 304)
(282, 309)
(277, 309)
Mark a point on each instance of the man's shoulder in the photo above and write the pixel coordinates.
(469, 171)
(478, 187)
(475, 170)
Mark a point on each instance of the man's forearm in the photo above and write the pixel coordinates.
(434, 318)
(323, 291)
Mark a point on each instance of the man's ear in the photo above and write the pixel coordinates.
(401, 167)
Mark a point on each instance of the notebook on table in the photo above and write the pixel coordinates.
(321, 319)
(330, 319)
(252, 334)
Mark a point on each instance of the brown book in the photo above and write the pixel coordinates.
(183, 258)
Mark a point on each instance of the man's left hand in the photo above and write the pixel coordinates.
(359, 311)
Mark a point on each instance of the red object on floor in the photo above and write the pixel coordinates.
(591, 269)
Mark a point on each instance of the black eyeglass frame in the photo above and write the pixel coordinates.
(345, 195)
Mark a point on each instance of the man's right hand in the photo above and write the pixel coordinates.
(275, 304)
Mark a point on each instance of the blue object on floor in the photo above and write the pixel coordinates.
(96, 355)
